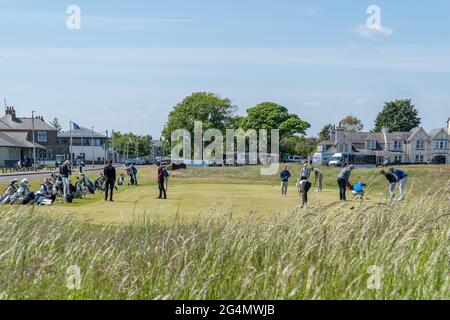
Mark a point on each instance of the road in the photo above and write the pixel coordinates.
(36, 176)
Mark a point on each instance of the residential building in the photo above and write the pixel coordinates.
(17, 135)
(416, 146)
(87, 146)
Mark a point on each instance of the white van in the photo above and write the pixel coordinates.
(322, 158)
(339, 160)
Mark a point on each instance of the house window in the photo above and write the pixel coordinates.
(398, 144)
(420, 144)
(347, 147)
(441, 144)
(371, 144)
(398, 159)
(419, 158)
(42, 136)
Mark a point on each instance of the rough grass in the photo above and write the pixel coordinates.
(308, 254)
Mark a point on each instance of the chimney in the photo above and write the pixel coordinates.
(385, 131)
(332, 133)
(9, 110)
(340, 131)
(448, 126)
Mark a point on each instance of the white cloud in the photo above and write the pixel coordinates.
(309, 12)
(360, 102)
(311, 104)
(363, 31)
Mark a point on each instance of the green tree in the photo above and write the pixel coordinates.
(55, 124)
(398, 115)
(324, 134)
(132, 144)
(296, 145)
(269, 115)
(210, 109)
(352, 124)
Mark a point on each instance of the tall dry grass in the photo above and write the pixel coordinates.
(324, 253)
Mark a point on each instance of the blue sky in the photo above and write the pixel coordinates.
(132, 61)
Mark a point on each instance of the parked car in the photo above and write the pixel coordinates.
(322, 158)
(295, 159)
(338, 160)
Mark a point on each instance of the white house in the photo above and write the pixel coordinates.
(87, 145)
(416, 146)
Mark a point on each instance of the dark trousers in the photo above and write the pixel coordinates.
(342, 183)
(109, 188)
(161, 189)
(306, 186)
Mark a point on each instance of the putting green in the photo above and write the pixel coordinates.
(189, 200)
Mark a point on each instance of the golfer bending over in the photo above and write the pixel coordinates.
(284, 177)
(402, 178)
(303, 187)
(343, 180)
(392, 179)
(319, 179)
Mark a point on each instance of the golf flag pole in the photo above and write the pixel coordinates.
(70, 146)
(93, 148)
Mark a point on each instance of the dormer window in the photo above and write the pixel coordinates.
(420, 145)
(371, 144)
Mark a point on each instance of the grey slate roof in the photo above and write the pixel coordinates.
(81, 133)
(16, 140)
(8, 123)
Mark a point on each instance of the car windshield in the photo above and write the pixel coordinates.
(336, 158)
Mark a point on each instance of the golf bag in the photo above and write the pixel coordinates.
(12, 188)
(21, 193)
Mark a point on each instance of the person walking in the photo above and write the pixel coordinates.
(166, 178)
(392, 179)
(65, 173)
(343, 180)
(110, 176)
(284, 177)
(305, 172)
(303, 186)
(160, 179)
(402, 178)
(319, 179)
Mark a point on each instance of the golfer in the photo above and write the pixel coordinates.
(303, 187)
(160, 179)
(402, 178)
(284, 177)
(110, 176)
(319, 179)
(305, 172)
(392, 179)
(343, 180)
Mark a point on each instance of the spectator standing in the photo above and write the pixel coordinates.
(65, 173)
(160, 179)
(110, 176)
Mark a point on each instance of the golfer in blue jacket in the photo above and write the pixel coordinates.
(402, 181)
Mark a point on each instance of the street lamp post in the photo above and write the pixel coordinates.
(34, 142)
